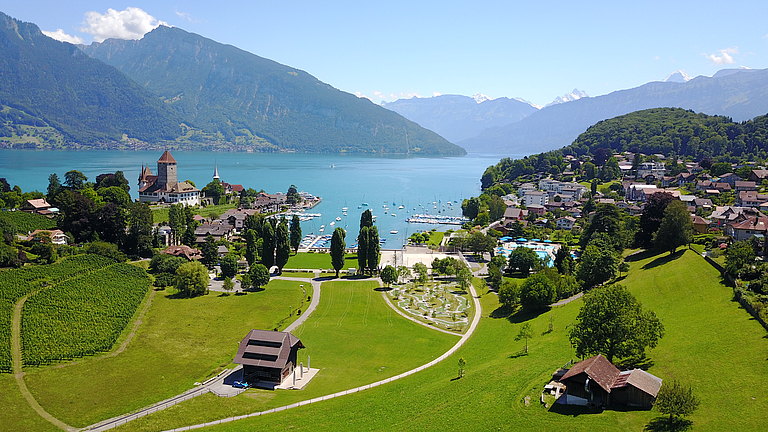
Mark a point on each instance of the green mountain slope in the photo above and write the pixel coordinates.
(239, 96)
(52, 92)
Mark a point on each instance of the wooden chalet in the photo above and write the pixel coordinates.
(267, 355)
(597, 382)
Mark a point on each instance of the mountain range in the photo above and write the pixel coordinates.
(740, 94)
(176, 89)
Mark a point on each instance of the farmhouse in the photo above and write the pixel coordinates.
(597, 382)
(55, 236)
(39, 206)
(267, 355)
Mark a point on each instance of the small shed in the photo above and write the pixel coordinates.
(267, 355)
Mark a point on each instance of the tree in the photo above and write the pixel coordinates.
(676, 400)
(650, 218)
(251, 246)
(228, 285)
(422, 273)
(366, 219)
(268, 245)
(564, 262)
(163, 263)
(292, 197)
(524, 260)
(215, 191)
(509, 293)
(54, 187)
(258, 275)
(608, 220)
(295, 233)
(739, 255)
(245, 282)
(470, 208)
(368, 249)
(282, 246)
(192, 279)
(140, 230)
(112, 222)
(75, 180)
(228, 265)
(719, 168)
(623, 267)
(403, 273)
(362, 248)
(388, 275)
(537, 292)
(462, 367)
(496, 207)
(676, 228)
(464, 278)
(496, 271)
(210, 252)
(597, 265)
(612, 322)
(525, 333)
(479, 242)
(115, 195)
(338, 249)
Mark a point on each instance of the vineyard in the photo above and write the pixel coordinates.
(15, 284)
(24, 222)
(82, 316)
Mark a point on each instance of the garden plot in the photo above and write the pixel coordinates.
(439, 303)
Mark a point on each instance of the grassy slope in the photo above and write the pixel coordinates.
(306, 260)
(160, 214)
(25, 222)
(353, 337)
(710, 342)
(181, 341)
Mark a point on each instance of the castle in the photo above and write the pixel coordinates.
(165, 187)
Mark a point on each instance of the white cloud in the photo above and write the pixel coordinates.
(723, 56)
(131, 23)
(60, 35)
(186, 16)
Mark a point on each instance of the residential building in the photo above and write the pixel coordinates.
(55, 236)
(747, 228)
(268, 356)
(535, 197)
(565, 223)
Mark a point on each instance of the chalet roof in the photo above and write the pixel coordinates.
(51, 233)
(745, 183)
(183, 250)
(514, 213)
(759, 173)
(166, 158)
(640, 380)
(265, 348)
(39, 203)
(752, 224)
(698, 220)
(598, 368)
(218, 229)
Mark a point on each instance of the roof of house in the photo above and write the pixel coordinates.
(760, 173)
(744, 183)
(51, 233)
(638, 379)
(38, 203)
(265, 348)
(698, 220)
(183, 250)
(759, 223)
(166, 158)
(598, 368)
(514, 213)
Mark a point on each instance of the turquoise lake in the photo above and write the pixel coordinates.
(341, 180)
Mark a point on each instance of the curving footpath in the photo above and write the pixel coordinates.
(459, 344)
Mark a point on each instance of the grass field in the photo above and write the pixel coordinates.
(181, 341)
(160, 214)
(710, 343)
(353, 337)
(306, 260)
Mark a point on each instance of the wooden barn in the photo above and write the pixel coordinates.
(597, 382)
(268, 355)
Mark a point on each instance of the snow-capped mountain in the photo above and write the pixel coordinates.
(678, 76)
(480, 98)
(576, 94)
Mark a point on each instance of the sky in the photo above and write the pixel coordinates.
(391, 49)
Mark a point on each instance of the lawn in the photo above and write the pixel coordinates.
(709, 342)
(180, 342)
(160, 214)
(307, 260)
(353, 337)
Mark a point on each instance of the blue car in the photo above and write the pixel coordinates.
(241, 384)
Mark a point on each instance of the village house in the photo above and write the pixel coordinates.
(723, 215)
(512, 214)
(748, 228)
(700, 225)
(537, 209)
(758, 175)
(565, 223)
(218, 230)
(165, 187)
(597, 382)
(743, 185)
(183, 251)
(751, 199)
(267, 355)
(535, 197)
(55, 236)
(651, 171)
(729, 178)
(636, 192)
(39, 206)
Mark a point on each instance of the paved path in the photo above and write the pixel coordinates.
(459, 344)
(568, 300)
(18, 366)
(216, 384)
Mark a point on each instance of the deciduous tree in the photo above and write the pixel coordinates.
(676, 227)
(537, 292)
(388, 275)
(676, 400)
(192, 279)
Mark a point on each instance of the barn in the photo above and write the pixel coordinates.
(267, 355)
(597, 382)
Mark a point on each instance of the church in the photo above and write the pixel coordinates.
(165, 187)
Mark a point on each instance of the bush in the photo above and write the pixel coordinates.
(105, 249)
(164, 263)
(163, 280)
(537, 292)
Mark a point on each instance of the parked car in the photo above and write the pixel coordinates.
(241, 384)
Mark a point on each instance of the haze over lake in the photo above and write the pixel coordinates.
(341, 180)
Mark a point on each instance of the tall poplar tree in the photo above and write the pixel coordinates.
(338, 246)
(268, 245)
(295, 233)
(362, 248)
(373, 251)
(282, 246)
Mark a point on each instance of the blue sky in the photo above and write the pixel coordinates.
(389, 49)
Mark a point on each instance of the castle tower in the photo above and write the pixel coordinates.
(166, 170)
(144, 175)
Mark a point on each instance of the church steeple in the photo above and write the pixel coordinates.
(216, 172)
